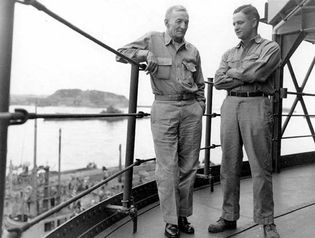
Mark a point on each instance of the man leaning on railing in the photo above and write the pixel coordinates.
(176, 117)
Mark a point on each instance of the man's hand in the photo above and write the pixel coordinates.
(152, 64)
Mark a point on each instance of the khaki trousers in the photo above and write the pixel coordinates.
(247, 121)
(176, 129)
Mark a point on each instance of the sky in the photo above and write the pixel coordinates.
(48, 56)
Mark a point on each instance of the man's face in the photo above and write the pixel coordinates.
(177, 25)
(244, 28)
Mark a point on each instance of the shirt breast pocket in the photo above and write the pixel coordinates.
(231, 62)
(251, 57)
(188, 71)
(164, 67)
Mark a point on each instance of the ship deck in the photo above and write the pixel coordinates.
(294, 197)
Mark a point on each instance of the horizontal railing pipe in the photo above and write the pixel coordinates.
(100, 115)
(21, 115)
(213, 146)
(212, 115)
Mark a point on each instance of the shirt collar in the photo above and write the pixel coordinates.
(168, 39)
(257, 40)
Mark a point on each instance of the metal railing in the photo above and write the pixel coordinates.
(20, 115)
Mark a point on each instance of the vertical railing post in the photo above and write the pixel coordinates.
(208, 131)
(34, 172)
(6, 34)
(59, 167)
(207, 161)
(208, 126)
(277, 112)
(119, 164)
(131, 130)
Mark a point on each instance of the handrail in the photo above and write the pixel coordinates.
(39, 6)
(55, 209)
(212, 115)
(20, 116)
(213, 146)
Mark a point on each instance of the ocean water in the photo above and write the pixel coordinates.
(82, 141)
(98, 141)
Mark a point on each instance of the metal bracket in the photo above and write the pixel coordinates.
(131, 211)
(21, 119)
(142, 114)
(283, 92)
(142, 67)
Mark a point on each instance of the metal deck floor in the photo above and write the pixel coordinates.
(294, 196)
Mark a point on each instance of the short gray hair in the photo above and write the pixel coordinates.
(174, 8)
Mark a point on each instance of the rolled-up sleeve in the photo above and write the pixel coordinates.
(135, 50)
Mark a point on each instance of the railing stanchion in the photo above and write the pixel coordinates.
(208, 132)
(6, 33)
(131, 129)
(277, 112)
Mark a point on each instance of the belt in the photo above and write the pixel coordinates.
(247, 94)
(175, 97)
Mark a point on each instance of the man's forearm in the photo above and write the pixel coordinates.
(228, 85)
(141, 55)
(222, 81)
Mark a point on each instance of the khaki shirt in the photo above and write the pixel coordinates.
(249, 69)
(179, 71)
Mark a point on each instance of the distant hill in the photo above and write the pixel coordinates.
(73, 98)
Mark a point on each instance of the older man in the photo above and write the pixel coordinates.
(246, 119)
(176, 117)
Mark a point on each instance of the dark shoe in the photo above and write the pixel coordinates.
(222, 225)
(171, 231)
(270, 231)
(185, 226)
